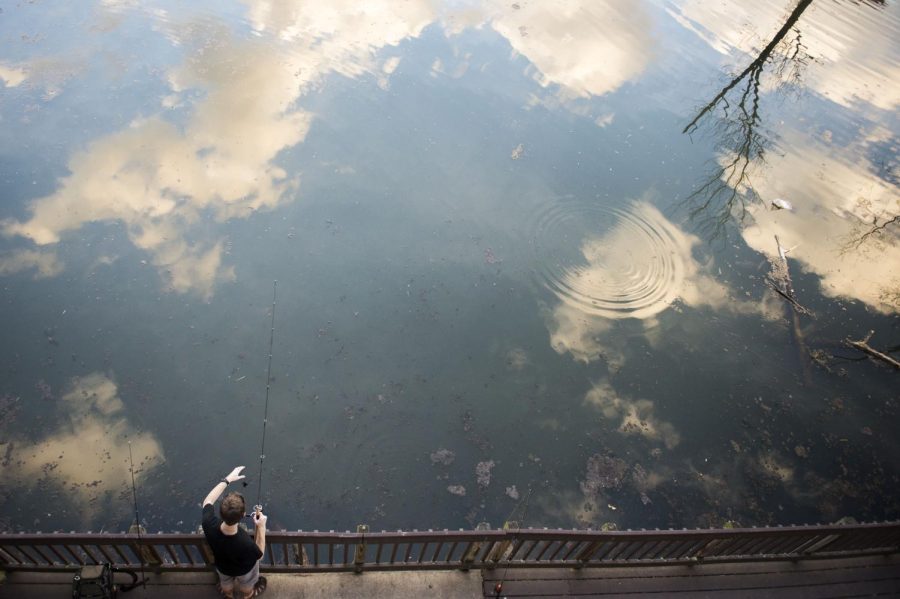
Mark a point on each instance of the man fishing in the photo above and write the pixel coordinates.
(236, 554)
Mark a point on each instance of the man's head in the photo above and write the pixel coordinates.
(232, 508)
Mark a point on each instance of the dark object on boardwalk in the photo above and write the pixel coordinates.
(96, 582)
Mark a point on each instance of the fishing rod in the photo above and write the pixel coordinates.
(262, 451)
(100, 578)
(498, 588)
(137, 524)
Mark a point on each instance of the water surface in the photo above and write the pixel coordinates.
(519, 246)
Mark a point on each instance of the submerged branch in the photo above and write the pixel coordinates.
(782, 272)
(797, 305)
(863, 346)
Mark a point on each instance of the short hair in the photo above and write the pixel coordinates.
(232, 508)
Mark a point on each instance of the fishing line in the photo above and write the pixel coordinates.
(137, 523)
(262, 451)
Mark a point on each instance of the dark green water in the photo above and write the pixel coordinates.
(539, 236)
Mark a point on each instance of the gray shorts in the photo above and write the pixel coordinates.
(245, 582)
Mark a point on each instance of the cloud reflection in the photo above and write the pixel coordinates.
(637, 269)
(586, 48)
(211, 152)
(88, 454)
(635, 416)
(12, 76)
(45, 264)
(834, 194)
(162, 180)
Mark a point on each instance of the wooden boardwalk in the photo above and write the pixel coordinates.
(832, 578)
(819, 578)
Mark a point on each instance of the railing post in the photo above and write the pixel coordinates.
(300, 556)
(474, 547)
(359, 557)
(700, 552)
(146, 553)
(500, 549)
(585, 555)
(205, 551)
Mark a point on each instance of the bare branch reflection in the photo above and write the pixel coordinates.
(727, 190)
(877, 230)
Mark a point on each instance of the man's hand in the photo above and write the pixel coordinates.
(235, 475)
(260, 519)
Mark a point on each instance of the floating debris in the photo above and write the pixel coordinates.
(50, 334)
(444, 457)
(512, 492)
(517, 152)
(516, 358)
(457, 490)
(468, 421)
(866, 431)
(801, 451)
(491, 258)
(780, 204)
(603, 472)
(645, 499)
(483, 473)
(9, 405)
(7, 455)
(45, 390)
(639, 476)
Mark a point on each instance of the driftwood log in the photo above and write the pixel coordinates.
(782, 274)
(863, 346)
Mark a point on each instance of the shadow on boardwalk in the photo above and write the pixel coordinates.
(837, 577)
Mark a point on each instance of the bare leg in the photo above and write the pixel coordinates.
(227, 591)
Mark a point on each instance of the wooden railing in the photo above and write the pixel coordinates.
(442, 550)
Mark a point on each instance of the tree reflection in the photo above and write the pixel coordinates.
(727, 189)
(876, 231)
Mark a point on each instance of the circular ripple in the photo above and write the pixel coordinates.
(608, 261)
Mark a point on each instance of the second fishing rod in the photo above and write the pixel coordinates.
(262, 451)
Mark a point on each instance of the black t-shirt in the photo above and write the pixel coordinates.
(236, 554)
